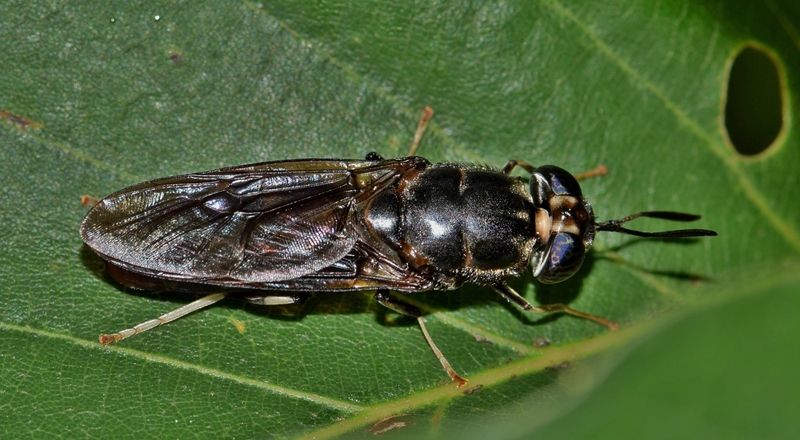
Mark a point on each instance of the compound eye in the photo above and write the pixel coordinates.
(564, 258)
(540, 190)
(557, 181)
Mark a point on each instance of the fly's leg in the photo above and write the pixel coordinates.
(88, 200)
(512, 296)
(270, 300)
(166, 318)
(403, 308)
(427, 114)
(194, 306)
(600, 170)
(513, 163)
(300, 303)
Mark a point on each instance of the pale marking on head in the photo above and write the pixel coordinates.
(563, 203)
(544, 224)
(566, 224)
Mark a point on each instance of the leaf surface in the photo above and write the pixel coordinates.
(95, 97)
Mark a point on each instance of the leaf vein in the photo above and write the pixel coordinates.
(373, 86)
(787, 26)
(188, 366)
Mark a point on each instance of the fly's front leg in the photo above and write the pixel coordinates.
(600, 170)
(513, 163)
(512, 296)
(403, 308)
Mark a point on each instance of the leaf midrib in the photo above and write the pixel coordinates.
(363, 415)
(786, 274)
(530, 364)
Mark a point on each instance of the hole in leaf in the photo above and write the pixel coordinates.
(754, 104)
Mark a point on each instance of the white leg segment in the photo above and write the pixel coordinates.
(163, 319)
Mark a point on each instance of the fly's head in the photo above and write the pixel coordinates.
(564, 224)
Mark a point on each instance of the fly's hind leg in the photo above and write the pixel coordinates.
(275, 300)
(194, 306)
(403, 308)
(298, 303)
(166, 318)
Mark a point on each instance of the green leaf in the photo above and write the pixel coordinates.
(94, 97)
(723, 371)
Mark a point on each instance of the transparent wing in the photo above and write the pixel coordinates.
(347, 274)
(251, 224)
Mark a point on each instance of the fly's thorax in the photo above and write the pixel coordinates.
(564, 224)
(453, 219)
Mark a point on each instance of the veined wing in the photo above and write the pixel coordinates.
(255, 223)
(363, 268)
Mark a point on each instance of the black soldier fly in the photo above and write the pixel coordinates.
(271, 232)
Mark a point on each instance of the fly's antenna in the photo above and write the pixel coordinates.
(616, 225)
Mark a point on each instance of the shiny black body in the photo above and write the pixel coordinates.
(458, 223)
(331, 225)
(265, 232)
(269, 232)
